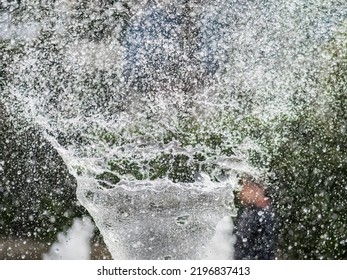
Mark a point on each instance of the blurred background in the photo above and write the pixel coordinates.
(304, 156)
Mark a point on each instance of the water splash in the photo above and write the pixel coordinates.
(157, 219)
(181, 122)
(75, 244)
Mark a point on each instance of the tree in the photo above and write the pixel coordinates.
(309, 167)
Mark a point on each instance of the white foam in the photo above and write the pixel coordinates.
(74, 244)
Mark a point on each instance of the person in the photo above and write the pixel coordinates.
(255, 224)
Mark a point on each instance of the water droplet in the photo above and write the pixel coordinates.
(136, 245)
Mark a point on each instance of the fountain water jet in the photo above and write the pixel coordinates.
(157, 220)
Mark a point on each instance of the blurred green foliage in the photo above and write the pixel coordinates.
(37, 193)
(306, 159)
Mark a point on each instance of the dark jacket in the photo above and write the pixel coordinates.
(255, 234)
